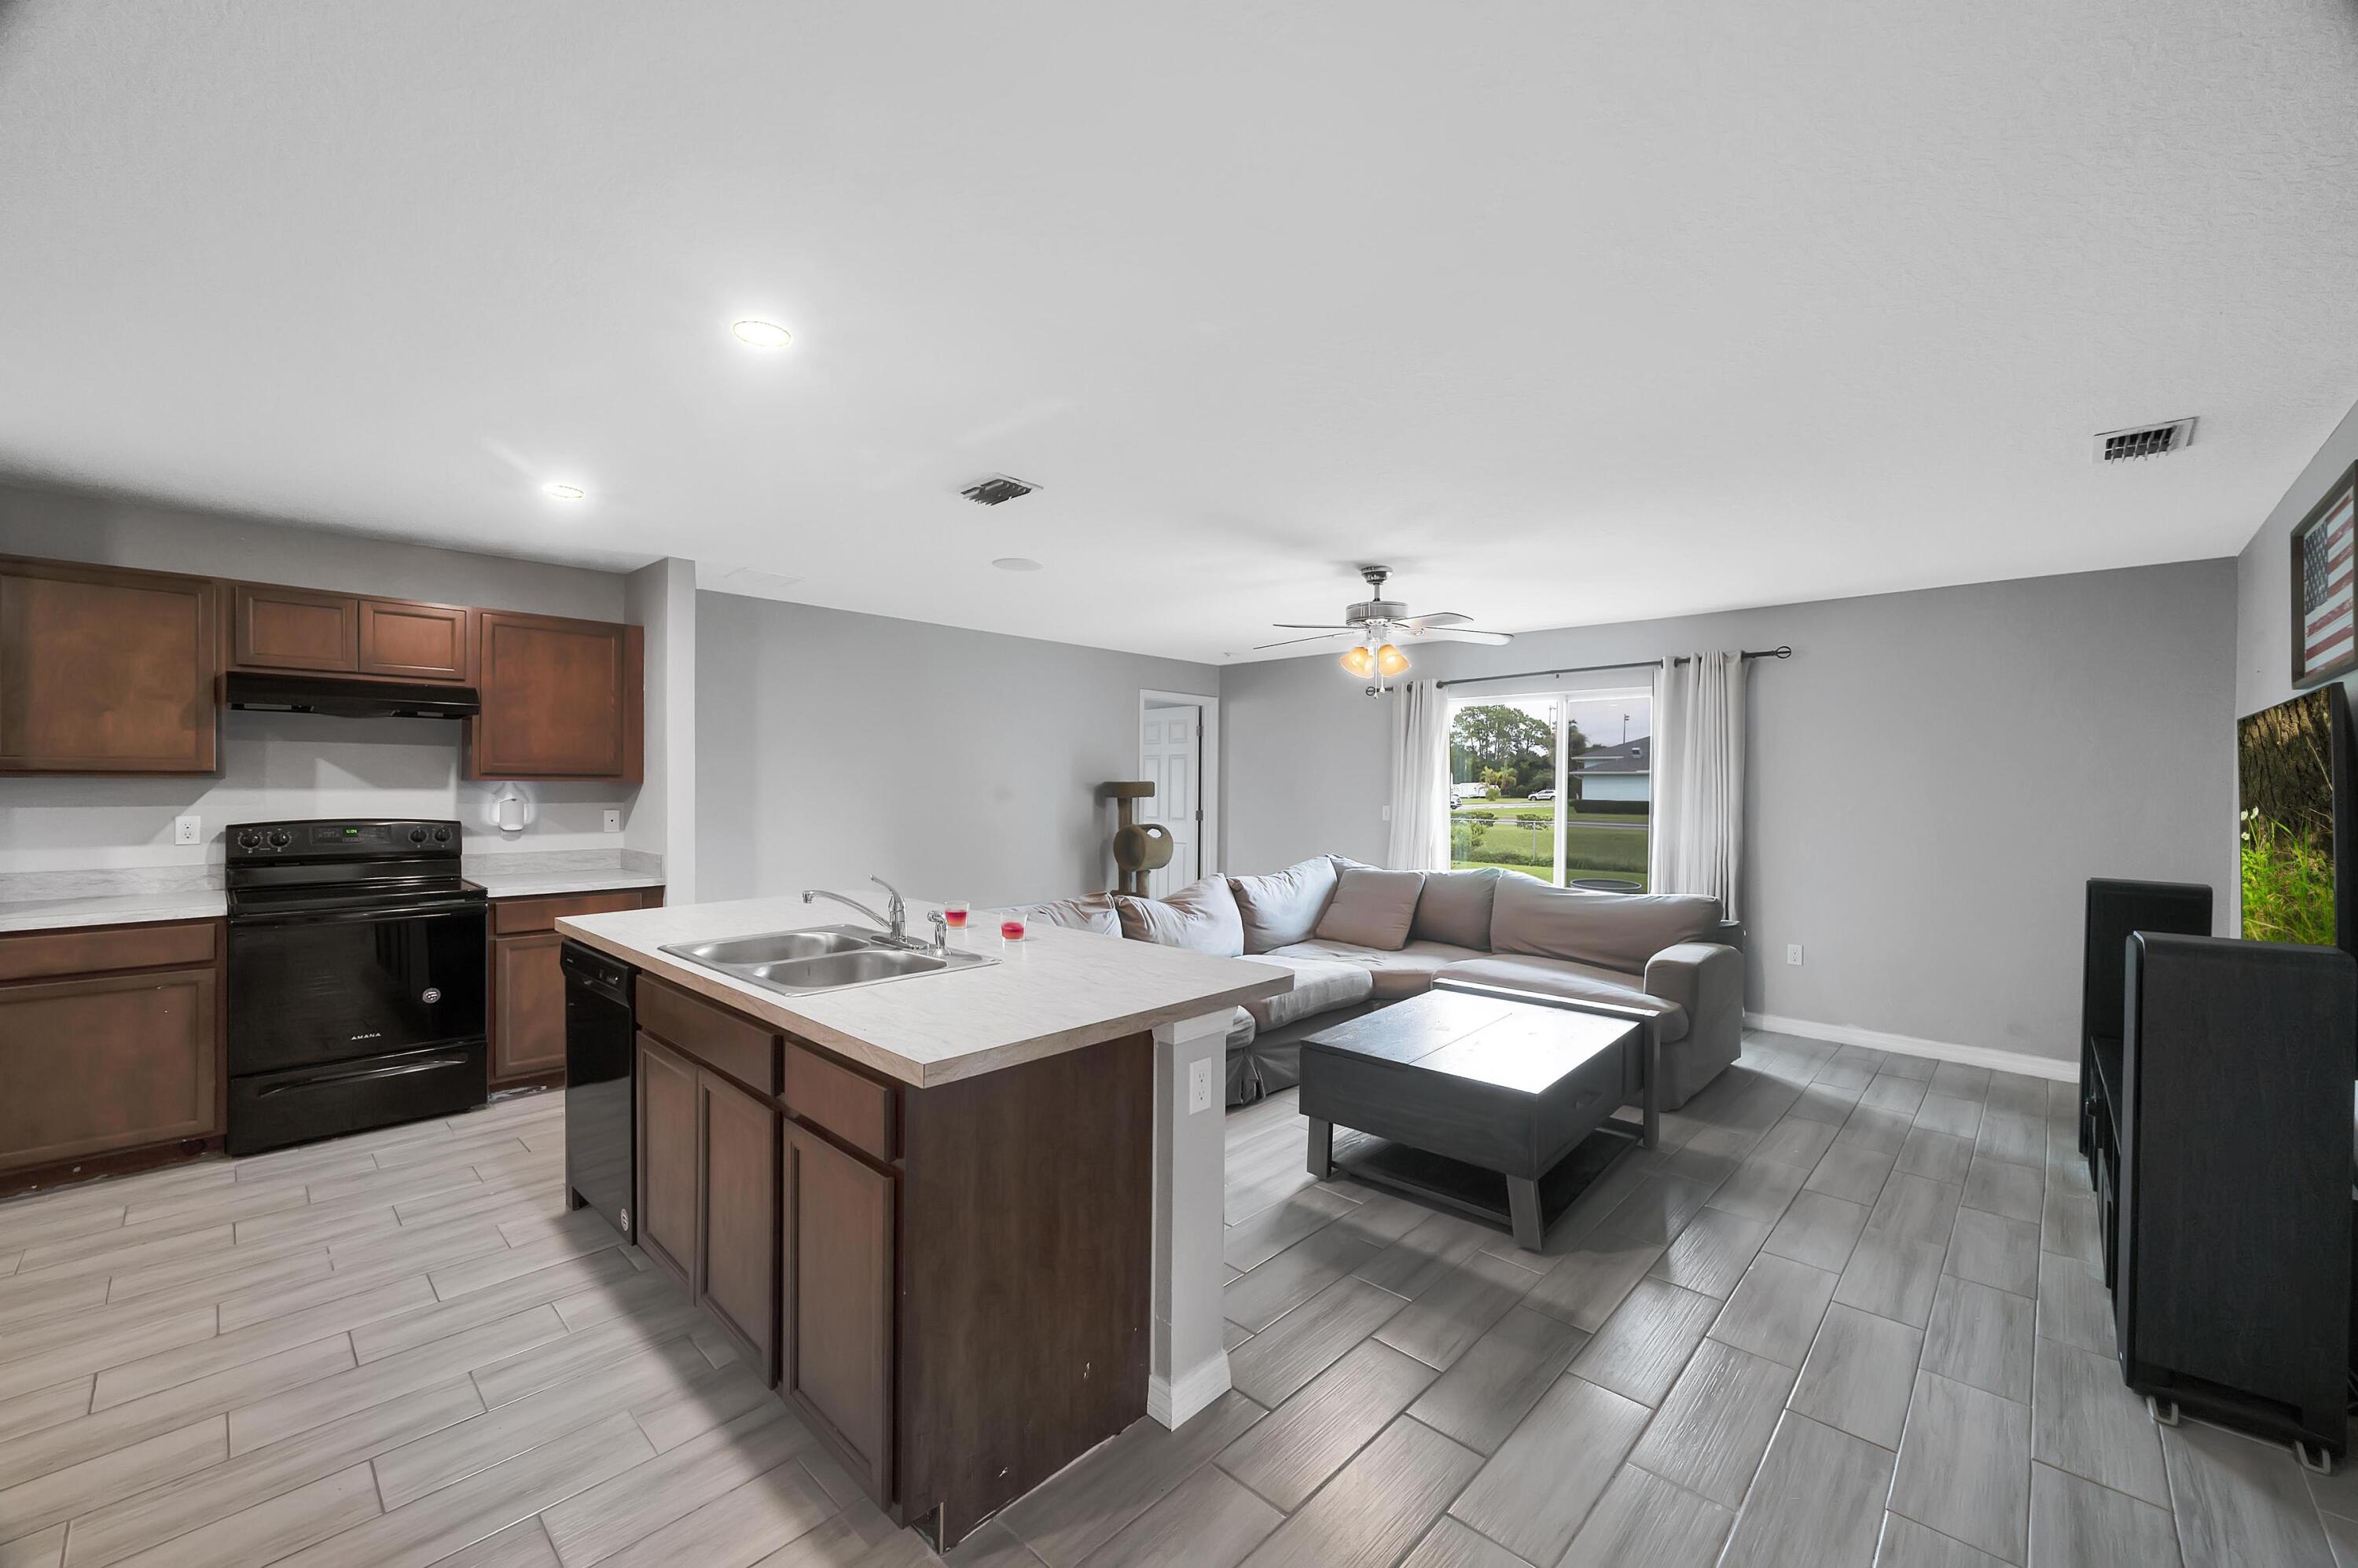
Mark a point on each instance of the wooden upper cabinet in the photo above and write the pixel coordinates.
(562, 699)
(417, 641)
(104, 670)
(294, 629)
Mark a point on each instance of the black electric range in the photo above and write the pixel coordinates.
(356, 978)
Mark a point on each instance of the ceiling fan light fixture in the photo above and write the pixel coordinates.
(1390, 660)
(1359, 661)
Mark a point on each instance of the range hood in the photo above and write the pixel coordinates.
(342, 697)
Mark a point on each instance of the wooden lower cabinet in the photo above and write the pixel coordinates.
(737, 1241)
(526, 1012)
(836, 1345)
(528, 1006)
(97, 1065)
(668, 1157)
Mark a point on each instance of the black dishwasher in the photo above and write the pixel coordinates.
(601, 1161)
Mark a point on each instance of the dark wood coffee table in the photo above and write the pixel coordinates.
(1469, 1084)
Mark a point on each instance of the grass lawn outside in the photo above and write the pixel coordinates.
(1528, 843)
(1542, 809)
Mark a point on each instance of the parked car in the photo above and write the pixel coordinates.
(1543, 795)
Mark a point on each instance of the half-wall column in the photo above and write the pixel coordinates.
(1190, 1366)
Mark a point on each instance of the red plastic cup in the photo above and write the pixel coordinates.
(956, 914)
(1012, 929)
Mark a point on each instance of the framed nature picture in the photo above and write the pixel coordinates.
(2325, 610)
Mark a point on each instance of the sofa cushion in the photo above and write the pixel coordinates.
(1371, 908)
(1574, 981)
(1200, 917)
(1405, 973)
(1283, 906)
(1618, 931)
(1095, 913)
(1455, 907)
(1320, 985)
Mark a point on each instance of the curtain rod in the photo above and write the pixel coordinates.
(1782, 651)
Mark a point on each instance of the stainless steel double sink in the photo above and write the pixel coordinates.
(821, 959)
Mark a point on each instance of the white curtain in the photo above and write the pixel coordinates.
(1698, 834)
(1420, 721)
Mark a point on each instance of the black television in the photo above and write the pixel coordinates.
(2297, 780)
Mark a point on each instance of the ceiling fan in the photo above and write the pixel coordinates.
(1375, 621)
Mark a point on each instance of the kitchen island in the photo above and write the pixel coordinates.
(967, 1221)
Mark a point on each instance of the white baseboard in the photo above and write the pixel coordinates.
(1173, 1402)
(1909, 1045)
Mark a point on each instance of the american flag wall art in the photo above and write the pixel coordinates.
(2324, 605)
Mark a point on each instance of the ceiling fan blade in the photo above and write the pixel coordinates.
(1310, 626)
(1441, 617)
(1290, 642)
(1467, 634)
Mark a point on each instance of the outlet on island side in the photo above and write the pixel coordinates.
(1794, 954)
(1199, 1086)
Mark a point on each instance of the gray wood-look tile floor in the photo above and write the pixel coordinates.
(1844, 1315)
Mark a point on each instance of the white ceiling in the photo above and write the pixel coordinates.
(1571, 312)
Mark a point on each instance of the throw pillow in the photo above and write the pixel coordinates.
(1201, 917)
(1456, 908)
(1284, 906)
(1095, 913)
(1372, 908)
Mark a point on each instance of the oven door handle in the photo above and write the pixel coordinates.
(363, 1075)
(356, 916)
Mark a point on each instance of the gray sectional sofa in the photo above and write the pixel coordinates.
(1358, 939)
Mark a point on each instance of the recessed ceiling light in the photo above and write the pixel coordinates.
(1016, 563)
(564, 491)
(756, 334)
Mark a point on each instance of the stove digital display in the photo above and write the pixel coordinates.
(347, 834)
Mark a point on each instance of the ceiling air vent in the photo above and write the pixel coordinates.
(996, 489)
(2145, 441)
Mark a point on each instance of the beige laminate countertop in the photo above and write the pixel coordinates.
(1056, 991)
(112, 909)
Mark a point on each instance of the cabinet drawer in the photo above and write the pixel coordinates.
(517, 916)
(855, 1108)
(37, 955)
(714, 1036)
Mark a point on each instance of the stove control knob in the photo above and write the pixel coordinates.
(248, 840)
(418, 835)
(278, 838)
(441, 835)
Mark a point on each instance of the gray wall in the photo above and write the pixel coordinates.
(2264, 579)
(661, 821)
(289, 765)
(831, 746)
(1933, 777)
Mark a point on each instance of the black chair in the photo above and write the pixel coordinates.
(2116, 908)
(2233, 1251)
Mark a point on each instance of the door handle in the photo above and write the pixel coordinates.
(363, 1075)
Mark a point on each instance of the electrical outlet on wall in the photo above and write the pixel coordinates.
(187, 830)
(1794, 954)
(613, 819)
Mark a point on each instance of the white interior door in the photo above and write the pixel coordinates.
(1171, 756)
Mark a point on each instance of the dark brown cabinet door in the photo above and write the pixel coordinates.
(527, 1006)
(103, 671)
(737, 1260)
(93, 1065)
(835, 1340)
(415, 642)
(294, 629)
(562, 699)
(668, 1158)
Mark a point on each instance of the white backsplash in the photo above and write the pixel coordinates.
(279, 766)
